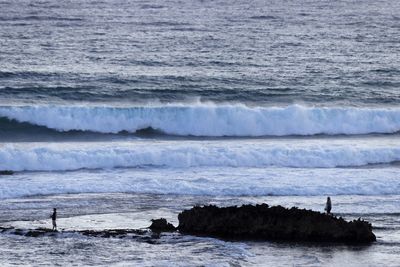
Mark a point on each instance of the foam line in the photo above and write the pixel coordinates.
(175, 154)
(209, 181)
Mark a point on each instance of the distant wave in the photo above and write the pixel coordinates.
(211, 119)
(188, 154)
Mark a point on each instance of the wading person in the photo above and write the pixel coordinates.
(53, 219)
(328, 206)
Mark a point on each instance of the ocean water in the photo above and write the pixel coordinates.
(117, 112)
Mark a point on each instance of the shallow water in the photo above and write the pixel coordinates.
(101, 211)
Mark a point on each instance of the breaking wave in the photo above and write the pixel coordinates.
(175, 154)
(210, 119)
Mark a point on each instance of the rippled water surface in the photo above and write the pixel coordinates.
(117, 112)
(258, 51)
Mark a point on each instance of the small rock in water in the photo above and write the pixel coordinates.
(161, 225)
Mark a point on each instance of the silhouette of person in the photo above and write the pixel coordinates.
(328, 206)
(53, 219)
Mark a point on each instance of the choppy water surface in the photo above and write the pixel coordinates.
(116, 112)
(259, 51)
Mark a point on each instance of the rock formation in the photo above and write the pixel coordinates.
(247, 222)
(262, 222)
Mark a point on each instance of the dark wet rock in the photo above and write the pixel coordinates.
(38, 232)
(262, 222)
(5, 172)
(161, 225)
(107, 233)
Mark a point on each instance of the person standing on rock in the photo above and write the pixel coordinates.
(53, 219)
(328, 206)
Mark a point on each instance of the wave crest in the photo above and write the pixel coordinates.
(175, 154)
(211, 120)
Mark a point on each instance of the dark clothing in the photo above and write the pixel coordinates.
(53, 219)
(328, 205)
(328, 209)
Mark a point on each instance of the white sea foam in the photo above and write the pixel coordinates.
(212, 119)
(322, 153)
(207, 181)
